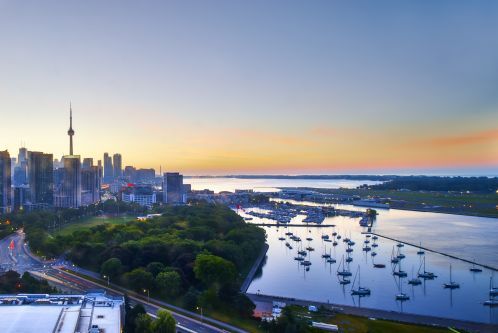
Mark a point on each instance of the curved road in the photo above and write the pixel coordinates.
(20, 259)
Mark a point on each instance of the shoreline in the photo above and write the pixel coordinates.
(383, 314)
(423, 210)
(250, 276)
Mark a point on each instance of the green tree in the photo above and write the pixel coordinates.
(112, 268)
(155, 268)
(165, 323)
(139, 279)
(214, 270)
(143, 324)
(169, 283)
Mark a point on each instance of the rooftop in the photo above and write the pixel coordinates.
(25, 313)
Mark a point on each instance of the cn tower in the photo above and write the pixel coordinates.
(70, 132)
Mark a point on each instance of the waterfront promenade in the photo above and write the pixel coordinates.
(382, 314)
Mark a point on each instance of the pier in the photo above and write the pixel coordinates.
(294, 225)
(434, 251)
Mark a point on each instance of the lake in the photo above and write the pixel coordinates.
(269, 185)
(470, 237)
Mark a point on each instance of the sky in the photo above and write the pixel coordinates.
(255, 87)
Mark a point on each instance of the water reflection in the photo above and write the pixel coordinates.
(388, 281)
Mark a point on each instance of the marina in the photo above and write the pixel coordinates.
(403, 286)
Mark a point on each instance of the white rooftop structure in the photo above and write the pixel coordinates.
(94, 312)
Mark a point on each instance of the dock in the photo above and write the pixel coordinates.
(434, 251)
(294, 225)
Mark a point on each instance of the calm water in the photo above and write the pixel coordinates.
(270, 185)
(471, 237)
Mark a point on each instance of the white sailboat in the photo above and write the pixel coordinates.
(426, 275)
(401, 296)
(452, 284)
(344, 271)
(492, 302)
(360, 291)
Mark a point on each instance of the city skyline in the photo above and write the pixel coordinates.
(404, 88)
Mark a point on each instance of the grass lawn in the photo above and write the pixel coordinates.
(353, 324)
(479, 204)
(93, 221)
(356, 324)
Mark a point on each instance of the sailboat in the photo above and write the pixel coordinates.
(492, 302)
(344, 271)
(493, 291)
(426, 275)
(400, 255)
(401, 296)
(331, 260)
(361, 291)
(475, 269)
(414, 281)
(401, 273)
(451, 284)
(420, 251)
(394, 259)
(349, 258)
(325, 254)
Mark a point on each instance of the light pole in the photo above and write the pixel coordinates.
(148, 294)
(200, 308)
(107, 277)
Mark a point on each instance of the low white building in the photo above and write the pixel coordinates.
(142, 195)
(93, 312)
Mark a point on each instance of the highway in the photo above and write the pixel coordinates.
(16, 259)
(21, 260)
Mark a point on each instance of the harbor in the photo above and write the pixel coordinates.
(322, 260)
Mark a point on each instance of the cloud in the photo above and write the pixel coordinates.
(480, 137)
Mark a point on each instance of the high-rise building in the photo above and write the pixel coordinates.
(145, 176)
(21, 169)
(118, 167)
(130, 173)
(108, 169)
(5, 182)
(87, 163)
(173, 191)
(41, 178)
(101, 173)
(69, 193)
(90, 185)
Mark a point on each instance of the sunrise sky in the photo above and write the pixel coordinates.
(217, 87)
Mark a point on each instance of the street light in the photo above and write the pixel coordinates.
(201, 312)
(148, 294)
(107, 277)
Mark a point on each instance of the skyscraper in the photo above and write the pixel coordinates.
(41, 178)
(173, 191)
(87, 163)
(70, 132)
(118, 168)
(108, 169)
(69, 194)
(5, 182)
(21, 169)
(90, 185)
(101, 173)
